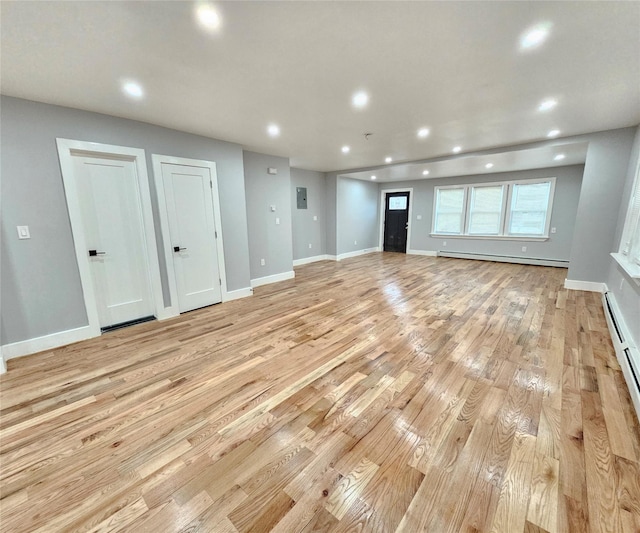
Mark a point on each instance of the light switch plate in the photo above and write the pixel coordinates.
(419, 217)
(277, 220)
(315, 217)
(23, 232)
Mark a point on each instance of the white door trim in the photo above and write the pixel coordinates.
(67, 148)
(157, 161)
(383, 192)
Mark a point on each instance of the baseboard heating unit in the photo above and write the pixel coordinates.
(627, 353)
(505, 259)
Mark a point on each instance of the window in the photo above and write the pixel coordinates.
(630, 243)
(449, 212)
(510, 209)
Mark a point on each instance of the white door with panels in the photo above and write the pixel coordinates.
(193, 234)
(112, 220)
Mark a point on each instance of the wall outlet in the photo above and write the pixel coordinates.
(262, 262)
(309, 246)
(444, 243)
(553, 230)
(355, 242)
(419, 217)
(277, 221)
(524, 248)
(23, 232)
(315, 217)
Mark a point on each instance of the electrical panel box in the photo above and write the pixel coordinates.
(301, 195)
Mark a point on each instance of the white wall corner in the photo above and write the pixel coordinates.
(237, 294)
(429, 253)
(589, 286)
(275, 278)
(47, 342)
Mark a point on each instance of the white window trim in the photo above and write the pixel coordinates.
(631, 225)
(506, 210)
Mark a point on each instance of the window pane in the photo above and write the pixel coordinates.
(397, 203)
(485, 211)
(529, 204)
(449, 207)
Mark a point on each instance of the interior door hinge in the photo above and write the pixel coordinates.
(220, 280)
(216, 234)
(211, 184)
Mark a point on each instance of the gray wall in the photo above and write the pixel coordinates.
(267, 240)
(565, 203)
(605, 173)
(305, 230)
(625, 288)
(356, 215)
(41, 290)
(330, 205)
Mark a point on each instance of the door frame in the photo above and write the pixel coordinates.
(158, 160)
(383, 203)
(67, 149)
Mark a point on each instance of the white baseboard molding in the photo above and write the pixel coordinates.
(3, 364)
(505, 259)
(314, 259)
(275, 278)
(167, 312)
(356, 253)
(237, 294)
(429, 253)
(589, 286)
(47, 342)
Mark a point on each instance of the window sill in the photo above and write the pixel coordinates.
(630, 268)
(490, 237)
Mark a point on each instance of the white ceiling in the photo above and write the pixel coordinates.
(454, 67)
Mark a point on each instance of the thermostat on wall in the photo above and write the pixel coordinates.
(272, 170)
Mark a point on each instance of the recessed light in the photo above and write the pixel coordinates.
(425, 172)
(559, 157)
(345, 149)
(553, 133)
(133, 89)
(456, 149)
(488, 165)
(208, 17)
(273, 130)
(373, 177)
(534, 36)
(387, 160)
(423, 132)
(360, 99)
(547, 104)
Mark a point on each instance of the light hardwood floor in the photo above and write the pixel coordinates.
(383, 393)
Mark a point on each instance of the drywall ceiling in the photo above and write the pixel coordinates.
(553, 154)
(454, 67)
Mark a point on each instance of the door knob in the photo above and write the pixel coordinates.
(178, 249)
(93, 253)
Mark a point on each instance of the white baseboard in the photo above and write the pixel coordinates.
(3, 365)
(430, 253)
(356, 253)
(167, 312)
(590, 286)
(315, 258)
(237, 294)
(47, 342)
(275, 278)
(505, 259)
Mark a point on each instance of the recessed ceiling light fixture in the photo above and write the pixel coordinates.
(423, 132)
(425, 172)
(208, 17)
(133, 89)
(273, 130)
(373, 177)
(360, 99)
(456, 149)
(387, 160)
(553, 133)
(547, 104)
(535, 36)
(559, 157)
(488, 165)
(345, 149)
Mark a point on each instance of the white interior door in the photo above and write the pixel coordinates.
(113, 225)
(192, 230)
